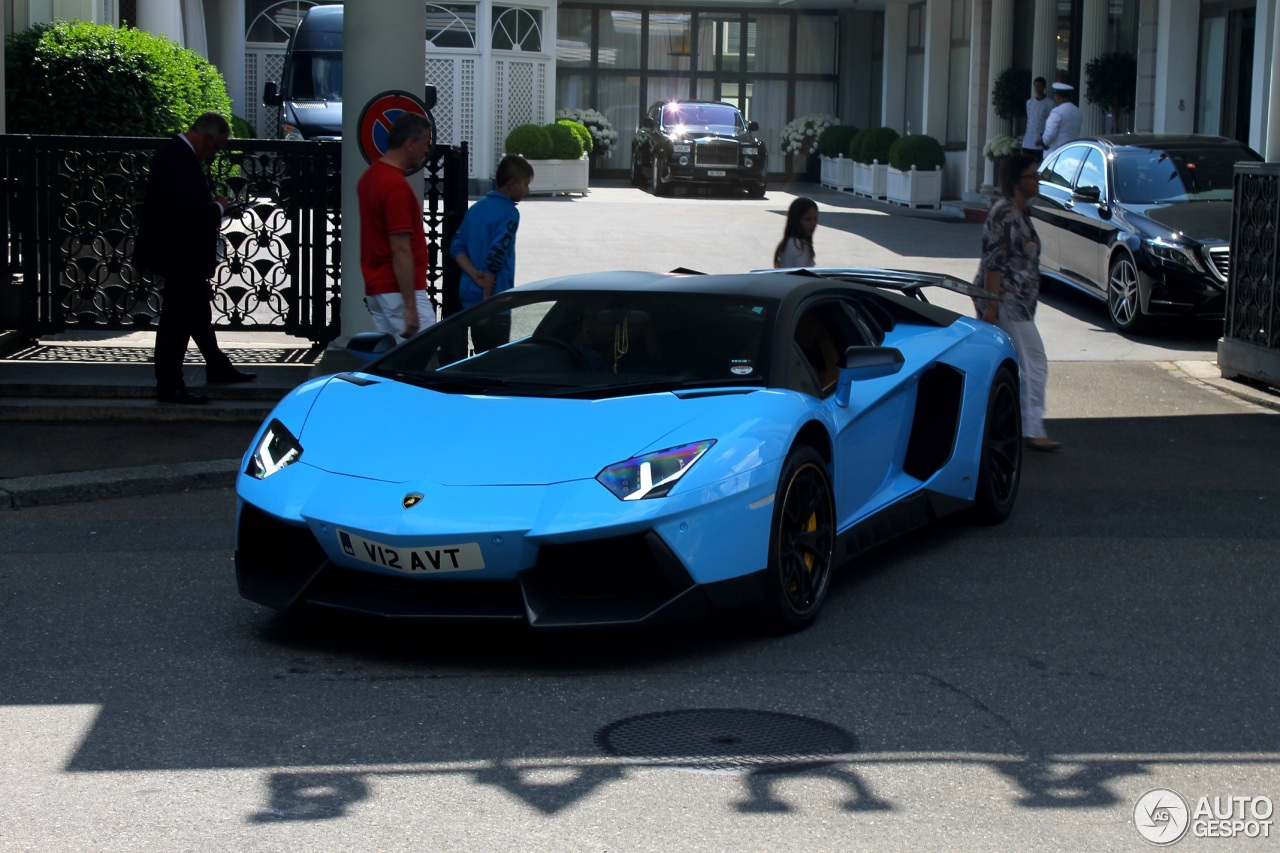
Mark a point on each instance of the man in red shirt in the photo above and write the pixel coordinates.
(393, 241)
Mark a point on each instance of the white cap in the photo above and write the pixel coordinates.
(1062, 87)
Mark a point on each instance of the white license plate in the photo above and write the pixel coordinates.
(413, 561)
(715, 173)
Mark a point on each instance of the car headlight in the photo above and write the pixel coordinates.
(1175, 255)
(275, 451)
(292, 134)
(751, 152)
(681, 148)
(747, 162)
(654, 474)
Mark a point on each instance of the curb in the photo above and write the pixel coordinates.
(48, 489)
(1208, 374)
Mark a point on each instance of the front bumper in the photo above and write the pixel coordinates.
(1184, 293)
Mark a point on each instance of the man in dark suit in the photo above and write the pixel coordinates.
(178, 242)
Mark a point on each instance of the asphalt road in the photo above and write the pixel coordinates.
(1017, 687)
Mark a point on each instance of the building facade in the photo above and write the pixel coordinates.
(926, 66)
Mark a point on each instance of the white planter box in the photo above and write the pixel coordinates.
(915, 188)
(837, 173)
(559, 176)
(870, 179)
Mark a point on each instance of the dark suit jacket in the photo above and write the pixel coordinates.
(178, 233)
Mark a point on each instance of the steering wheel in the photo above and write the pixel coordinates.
(579, 360)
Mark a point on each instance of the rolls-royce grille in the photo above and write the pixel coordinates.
(716, 154)
(1221, 258)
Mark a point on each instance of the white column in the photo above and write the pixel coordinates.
(1093, 43)
(162, 17)
(977, 167)
(1144, 102)
(893, 108)
(1177, 41)
(1272, 130)
(382, 48)
(227, 51)
(1001, 57)
(937, 67)
(1044, 41)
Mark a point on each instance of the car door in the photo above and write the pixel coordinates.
(1088, 225)
(1051, 207)
(869, 433)
(642, 153)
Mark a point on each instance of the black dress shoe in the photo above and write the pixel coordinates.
(181, 395)
(229, 376)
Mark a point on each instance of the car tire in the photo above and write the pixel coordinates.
(1124, 298)
(801, 543)
(756, 192)
(1000, 465)
(655, 180)
(637, 176)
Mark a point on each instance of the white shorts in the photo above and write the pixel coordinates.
(387, 311)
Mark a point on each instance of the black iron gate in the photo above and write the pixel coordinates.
(69, 213)
(1250, 344)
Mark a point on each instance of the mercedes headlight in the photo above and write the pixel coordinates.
(275, 451)
(1174, 254)
(292, 134)
(654, 474)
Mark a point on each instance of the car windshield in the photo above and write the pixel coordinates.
(590, 344)
(1189, 174)
(315, 76)
(711, 118)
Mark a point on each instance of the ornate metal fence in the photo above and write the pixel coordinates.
(1250, 345)
(69, 213)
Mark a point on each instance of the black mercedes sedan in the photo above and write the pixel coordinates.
(704, 143)
(1142, 221)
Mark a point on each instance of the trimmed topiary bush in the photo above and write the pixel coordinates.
(530, 141)
(579, 130)
(834, 141)
(919, 150)
(82, 78)
(1009, 94)
(565, 144)
(874, 144)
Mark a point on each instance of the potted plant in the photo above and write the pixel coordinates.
(869, 151)
(800, 136)
(1110, 81)
(604, 139)
(998, 149)
(1009, 95)
(833, 150)
(564, 169)
(915, 171)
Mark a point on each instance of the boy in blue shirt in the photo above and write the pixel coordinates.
(485, 247)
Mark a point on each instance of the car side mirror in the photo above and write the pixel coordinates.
(271, 94)
(863, 363)
(370, 345)
(753, 126)
(1089, 194)
(646, 123)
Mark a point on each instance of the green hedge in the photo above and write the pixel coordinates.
(834, 141)
(579, 130)
(81, 78)
(919, 150)
(872, 145)
(530, 141)
(565, 144)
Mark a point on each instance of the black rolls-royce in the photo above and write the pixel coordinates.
(698, 143)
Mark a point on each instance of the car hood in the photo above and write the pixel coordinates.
(706, 135)
(1203, 221)
(394, 432)
(316, 118)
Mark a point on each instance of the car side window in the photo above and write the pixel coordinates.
(822, 334)
(1094, 173)
(1064, 167)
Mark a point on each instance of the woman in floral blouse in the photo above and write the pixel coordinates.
(1010, 268)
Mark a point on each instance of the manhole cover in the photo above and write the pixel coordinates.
(726, 739)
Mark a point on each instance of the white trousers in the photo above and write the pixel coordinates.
(1035, 372)
(387, 312)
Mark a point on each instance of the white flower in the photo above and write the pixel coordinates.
(1001, 146)
(603, 136)
(800, 135)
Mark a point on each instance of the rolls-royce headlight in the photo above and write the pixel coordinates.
(748, 162)
(681, 148)
(684, 159)
(752, 151)
(275, 451)
(653, 474)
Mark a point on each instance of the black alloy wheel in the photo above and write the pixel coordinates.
(637, 176)
(655, 179)
(801, 543)
(1000, 467)
(1124, 301)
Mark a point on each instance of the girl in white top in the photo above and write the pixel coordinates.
(796, 248)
